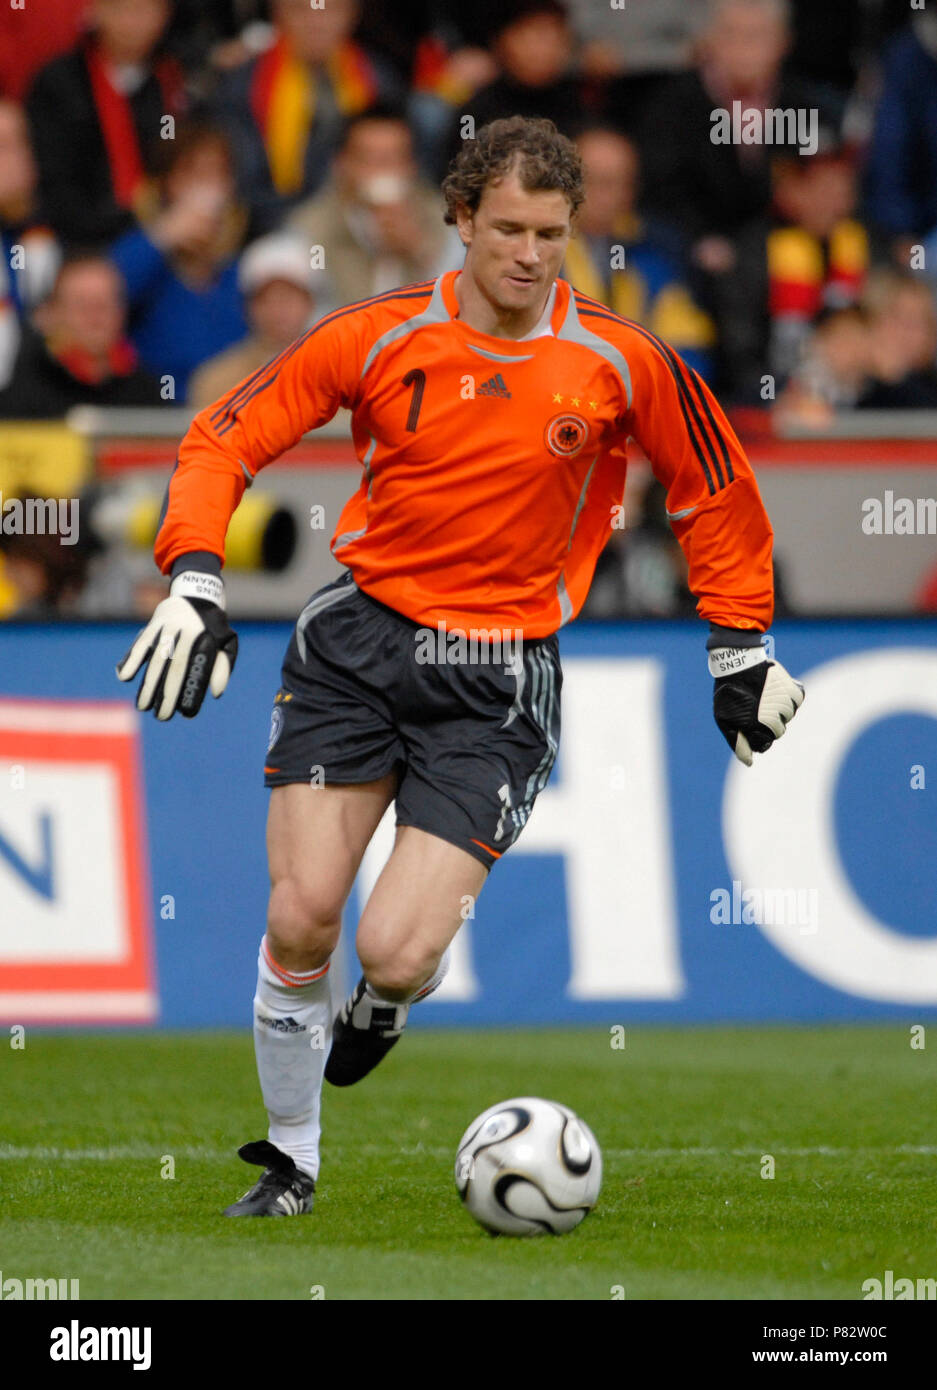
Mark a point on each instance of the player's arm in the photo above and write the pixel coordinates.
(188, 647)
(717, 515)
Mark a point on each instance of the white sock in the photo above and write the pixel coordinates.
(292, 1034)
(428, 986)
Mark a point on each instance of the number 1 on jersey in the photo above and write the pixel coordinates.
(417, 379)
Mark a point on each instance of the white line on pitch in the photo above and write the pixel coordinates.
(119, 1152)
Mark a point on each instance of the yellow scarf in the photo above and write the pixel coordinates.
(292, 108)
(625, 294)
(291, 105)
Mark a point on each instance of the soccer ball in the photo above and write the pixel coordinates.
(528, 1167)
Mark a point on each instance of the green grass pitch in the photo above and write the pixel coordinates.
(684, 1118)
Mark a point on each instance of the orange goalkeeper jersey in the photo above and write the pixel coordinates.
(493, 469)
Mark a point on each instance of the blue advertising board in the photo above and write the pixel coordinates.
(657, 879)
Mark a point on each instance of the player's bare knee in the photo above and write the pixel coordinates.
(390, 985)
(399, 975)
(301, 922)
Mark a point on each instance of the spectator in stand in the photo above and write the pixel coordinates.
(206, 35)
(711, 189)
(399, 29)
(631, 49)
(451, 63)
(378, 223)
(832, 373)
(97, 116)
(642, 37)
(903, 324)
(645, 284)
(446, 75)
(180, 264)
(902, 165)
(718, 195)
(818, 253)
(40, 577)
(29, 254)
(285, 110)
(532, 43)
(276, 282)
(833, 42)
(82, 356)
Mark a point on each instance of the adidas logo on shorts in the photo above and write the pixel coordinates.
(494, 386)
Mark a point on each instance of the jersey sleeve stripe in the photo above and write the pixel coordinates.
(717, 432)
(690, 374)
(234, 400)
(165, 504)
(287, 352)
(227, 402)
(686, 399)
(234, 412)
(687, 402)
(243, 394)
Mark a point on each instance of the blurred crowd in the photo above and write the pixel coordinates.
(186, 185)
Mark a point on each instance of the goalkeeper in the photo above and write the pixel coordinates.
(491, 410)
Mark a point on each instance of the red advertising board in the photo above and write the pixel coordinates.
(75, 929)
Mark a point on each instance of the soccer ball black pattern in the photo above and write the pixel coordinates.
(528, 1167)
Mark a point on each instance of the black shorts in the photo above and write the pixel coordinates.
(472, 734)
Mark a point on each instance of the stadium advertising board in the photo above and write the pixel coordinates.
(75, 939)
(657, 879)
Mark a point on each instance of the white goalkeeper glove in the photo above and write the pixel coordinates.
(187, 647)
(754, 699)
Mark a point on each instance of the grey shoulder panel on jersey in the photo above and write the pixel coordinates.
(435, 312)
(573, 330)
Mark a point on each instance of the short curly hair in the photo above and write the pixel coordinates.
(546, 161)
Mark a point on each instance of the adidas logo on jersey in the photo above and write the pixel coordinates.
(495, 386)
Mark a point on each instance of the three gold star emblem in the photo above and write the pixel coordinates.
(573, 400)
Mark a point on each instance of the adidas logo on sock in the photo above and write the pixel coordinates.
(282, 1025)
(495, 386)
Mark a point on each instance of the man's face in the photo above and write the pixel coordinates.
(816, 193)
(610, 170)
(535, 49)
(375, 150)
(831, 192)
(279, 312)
(205, 170)
(17, 166)
(746, 45)
(88, 308)
(516, 242)
(844, 343)
(314, 33)
(131, 28)
(905, 331)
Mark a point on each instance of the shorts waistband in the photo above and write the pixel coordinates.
(525, 642)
